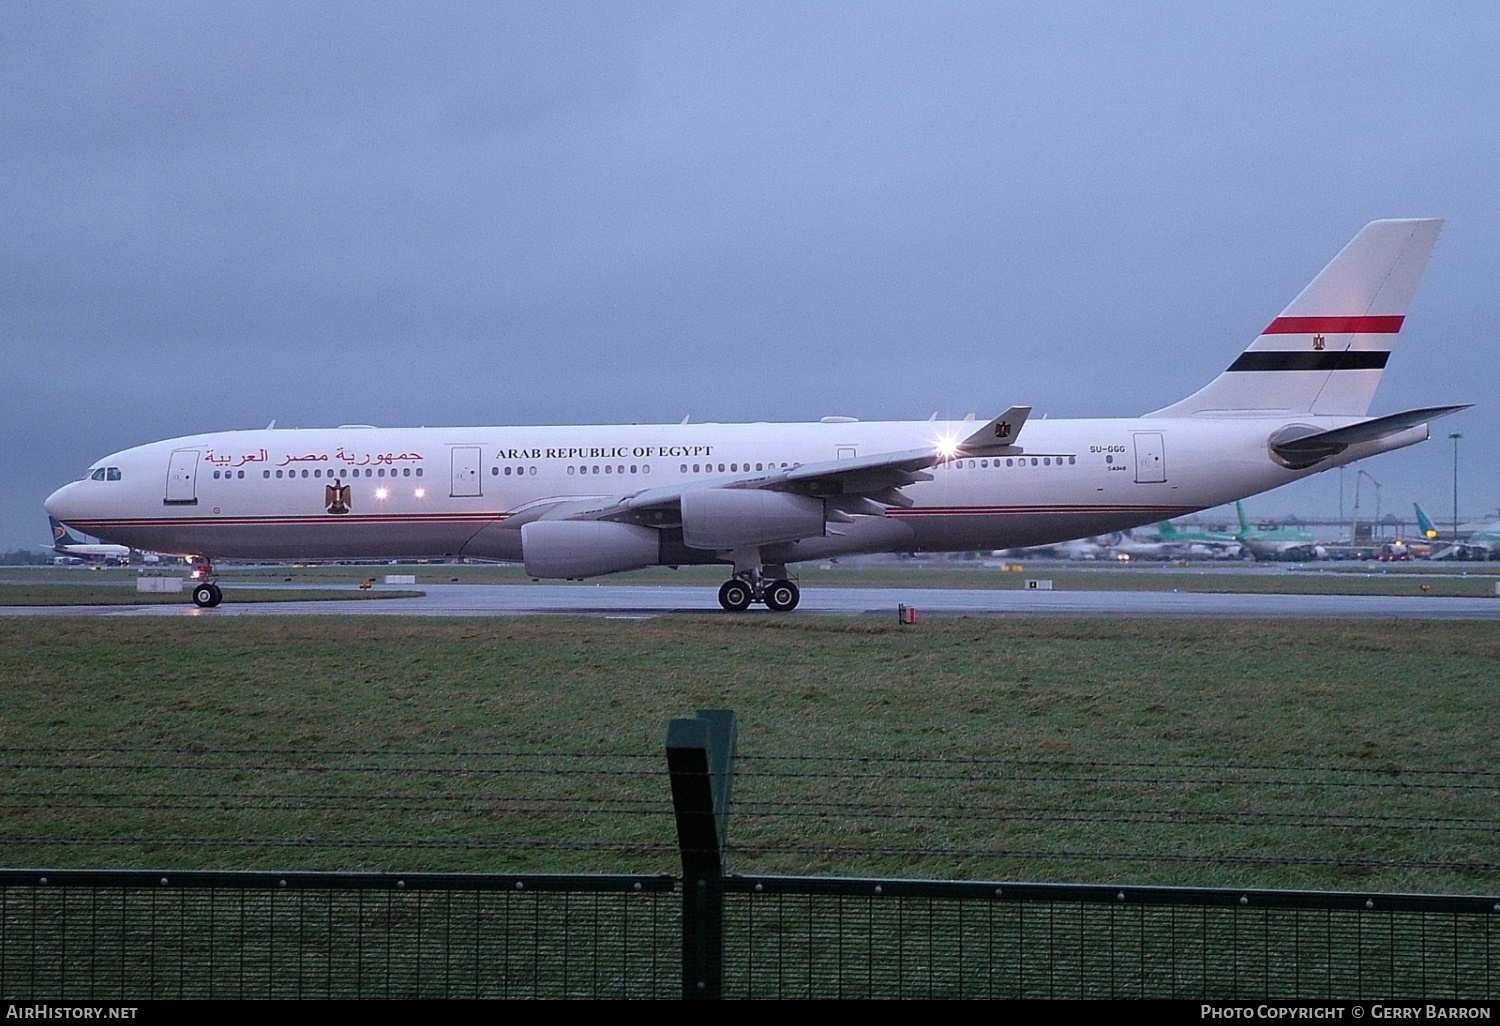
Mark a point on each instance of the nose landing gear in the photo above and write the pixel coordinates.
(206, 594)
(778, 593)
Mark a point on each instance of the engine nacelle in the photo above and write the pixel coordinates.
(572, 549)
(733, 518)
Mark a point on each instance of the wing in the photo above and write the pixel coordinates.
(858, 485)
(782, 505)
(738, 511)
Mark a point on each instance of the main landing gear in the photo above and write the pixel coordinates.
(206, 594)
(779, 594)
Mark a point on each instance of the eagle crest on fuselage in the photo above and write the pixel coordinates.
(336, 498)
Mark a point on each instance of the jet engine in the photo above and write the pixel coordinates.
(574, 549)
(732, 518)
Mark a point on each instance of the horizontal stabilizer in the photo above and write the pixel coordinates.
(1298, 448)
(998, 433)
(1370, 429)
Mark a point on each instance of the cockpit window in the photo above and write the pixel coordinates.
(104, 474)
(97, 475)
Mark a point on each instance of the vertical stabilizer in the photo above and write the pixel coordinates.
(1428, 528)
(1324, 355)
(61, 536)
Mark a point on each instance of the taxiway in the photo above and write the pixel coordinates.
(666, 600)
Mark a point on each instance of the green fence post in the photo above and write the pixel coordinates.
(700, 761)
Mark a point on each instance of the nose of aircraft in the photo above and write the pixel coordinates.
(63, 504)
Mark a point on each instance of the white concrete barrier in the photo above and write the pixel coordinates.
(158, 585)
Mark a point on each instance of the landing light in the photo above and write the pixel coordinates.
(421, 492)
(381, 493)
(947, 447)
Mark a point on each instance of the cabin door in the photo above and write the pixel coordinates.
(1150, 458)
(182, 478)
(465, 472)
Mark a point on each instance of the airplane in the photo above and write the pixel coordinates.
(1481, 544)
(69, 547)
(1074, 549)
(1428, 528)
(1213, 544)
(1277, 542)
(579, 502)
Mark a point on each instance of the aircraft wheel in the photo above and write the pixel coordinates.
(735, 596)
(782, 596)
(206, 596)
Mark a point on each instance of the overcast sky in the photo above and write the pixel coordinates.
(222, 213)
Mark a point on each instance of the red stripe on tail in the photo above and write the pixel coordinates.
(1335, 325)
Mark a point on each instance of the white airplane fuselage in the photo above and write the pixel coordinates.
(575, 502)
(434, 492)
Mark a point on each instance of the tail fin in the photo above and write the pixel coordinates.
(1167, 530)
(61, 535)
(1429, 530)
(1239, 508)
(1324, 355)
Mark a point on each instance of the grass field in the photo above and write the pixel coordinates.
(1338, 754)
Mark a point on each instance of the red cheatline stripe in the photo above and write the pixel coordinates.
(943, 511)
(1335, 325)
(487, 518)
